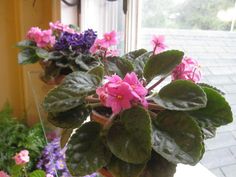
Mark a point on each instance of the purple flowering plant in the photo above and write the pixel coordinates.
(140, 126)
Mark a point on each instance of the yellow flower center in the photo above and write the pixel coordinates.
(119, 97)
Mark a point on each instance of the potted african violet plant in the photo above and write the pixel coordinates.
(62, 49)
(137, 127)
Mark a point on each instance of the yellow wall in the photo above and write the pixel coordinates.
(16, 17)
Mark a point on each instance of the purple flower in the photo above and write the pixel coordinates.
(52, 160)
(79, 42)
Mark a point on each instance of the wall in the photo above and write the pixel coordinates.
(16, 17)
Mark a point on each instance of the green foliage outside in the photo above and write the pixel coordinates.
(191, 14)
(15, 136)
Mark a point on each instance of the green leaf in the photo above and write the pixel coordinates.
(37, 173)
(42, 53)
(85, 62)
(65, 136)
(140, 62)
(129, 138)
(134, 54)
(216, 113)
(16, 171)
(119, 168)
(70, 119)
(26, 44)
(181, 95)
(27, 56)
(86, 152)
(55, 55)
(177, 137)
(71, 92)
(97, 71)
(162, 64)
(212, 87)
(158, 166)
(118, 65)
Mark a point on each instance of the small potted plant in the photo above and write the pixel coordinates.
(62, 49)
(137, 127)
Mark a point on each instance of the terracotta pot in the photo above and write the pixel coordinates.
(95, 116)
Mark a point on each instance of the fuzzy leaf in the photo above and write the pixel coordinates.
(72, 118)
(120, 168)
(71, 92)
(181, 95)
(97, 71)
(129, 138)
(162, 64)
(86, 152)
(42, 53)
(27, 56)
(134, 54)
(140, 63)
(177, 137)
(216, 113)
(118, 65)
(158, 166)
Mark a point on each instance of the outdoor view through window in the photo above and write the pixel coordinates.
(205, 31)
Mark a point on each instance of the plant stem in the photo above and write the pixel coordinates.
(94, 105)
(109, 122)
(156, 84)
(25, 172)
(91, 99)
(154, 106)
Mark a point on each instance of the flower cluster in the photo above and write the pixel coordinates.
(3, 174)
(22, 157)
(43, 38)
(52, 160)
(187, 70)
(58, 28)
(120, 94)
(61, 37)
(101, 46)
(79, 42)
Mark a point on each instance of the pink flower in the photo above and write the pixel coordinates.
(120, 94)
(22, 157)
(158, 43)
(42, 38)
(99, 45)
(3, 174)
(120, 97)
(138, 90)
(187, 70)
(110, 38)
(59, 27)
(49, 175)
(112, 53)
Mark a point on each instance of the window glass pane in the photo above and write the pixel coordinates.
(188, 14)
(201, 28)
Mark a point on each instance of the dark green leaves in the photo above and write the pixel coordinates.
(140, 62)
(162, 64)
(129, 138)
(97, 71)
(181, 95)
(71, 92)
(158, 166)
(118, 65)
(216, 113)
(41, 53)
(120, 168)
(177, 137)
(86, 152)
(27, 56)
(133, 55)
(70, 119)
(85, 62)
(26, 44)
